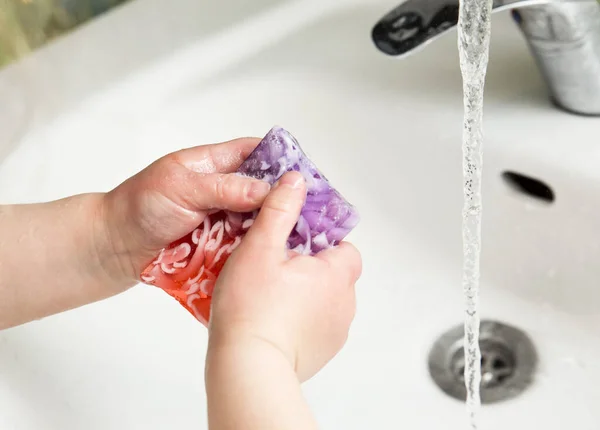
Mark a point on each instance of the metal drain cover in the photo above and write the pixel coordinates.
(508, 362)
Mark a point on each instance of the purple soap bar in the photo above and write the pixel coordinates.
(326, 217)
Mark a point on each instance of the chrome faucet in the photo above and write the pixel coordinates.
(563, 36)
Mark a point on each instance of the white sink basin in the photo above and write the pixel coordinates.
(387, 133)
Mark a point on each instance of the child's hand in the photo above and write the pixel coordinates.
(299, 305)
(89, 247)
(169, 199)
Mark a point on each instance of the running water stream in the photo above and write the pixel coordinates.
(474, 28)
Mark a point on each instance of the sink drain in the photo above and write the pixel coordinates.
(508, 362)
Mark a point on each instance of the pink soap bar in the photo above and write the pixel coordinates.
(188, 268)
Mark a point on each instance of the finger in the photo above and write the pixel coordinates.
(345, 259)
(223, 157)
(278, 215)
(195, 191)
(222, 191)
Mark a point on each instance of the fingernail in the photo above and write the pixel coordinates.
(258, 190)
(293, 179)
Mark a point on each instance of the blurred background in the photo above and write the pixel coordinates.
(25, 25)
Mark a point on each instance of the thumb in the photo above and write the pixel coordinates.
(278, 215)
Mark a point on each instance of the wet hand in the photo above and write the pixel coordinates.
(169, 199)
(300, 306)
